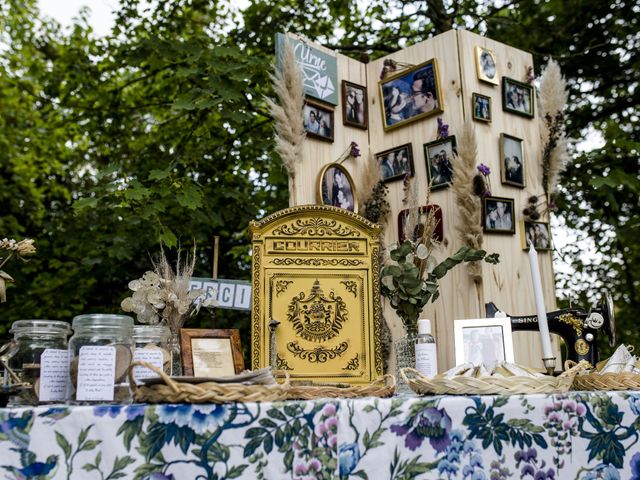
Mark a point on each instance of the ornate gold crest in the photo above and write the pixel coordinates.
(316, 271)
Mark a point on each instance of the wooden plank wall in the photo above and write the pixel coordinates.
(507, 284)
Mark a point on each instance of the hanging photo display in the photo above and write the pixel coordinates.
(336, 187)
(410, 95)
(517, 97)
(497, 215)
(481, 107)
(354, 105)
(486, 65)
(395, 163)
(511, 160)
(438, 155)
(318, 121)
(537, 233)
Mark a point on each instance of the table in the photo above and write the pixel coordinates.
(579, 435)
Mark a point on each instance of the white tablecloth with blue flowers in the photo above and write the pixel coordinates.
(575, 436)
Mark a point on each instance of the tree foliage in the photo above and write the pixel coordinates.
(157, 132)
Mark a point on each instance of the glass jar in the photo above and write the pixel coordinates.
(100, 351)
(152, 346)
(40, 350)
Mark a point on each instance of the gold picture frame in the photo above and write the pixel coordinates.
(487, 65)
(211, 352)
(336, 187)
(411, 95)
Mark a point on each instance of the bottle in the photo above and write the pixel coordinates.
(152, 346)
(426, 355)
(100, 351)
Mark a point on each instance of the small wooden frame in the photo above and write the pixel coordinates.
(498, 215)
(396, 163)
(517, 97)
(217, 352)
(483, 340)
(512, 160)
(438, 156)
(538, 232)
(319, 121)
(354, 105)
(481, 107)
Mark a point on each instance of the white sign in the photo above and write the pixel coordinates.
(96, 373)
(232, 294)
(54, 375)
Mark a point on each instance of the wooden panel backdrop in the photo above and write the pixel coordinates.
(507, 284)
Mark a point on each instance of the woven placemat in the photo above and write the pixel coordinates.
(382, 387)
(174, 391)
(460, 385)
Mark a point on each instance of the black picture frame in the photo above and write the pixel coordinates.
(498, 215)
(481, 107)
(517, 97)
(512, 161)
(410, 95)
(319, 121)
(438, 159)
(354, 105)
(396, 163)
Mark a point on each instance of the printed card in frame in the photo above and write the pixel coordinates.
(211, 352)
(483, 340)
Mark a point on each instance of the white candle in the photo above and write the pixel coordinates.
(540, 308)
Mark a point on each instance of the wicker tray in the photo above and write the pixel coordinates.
(607, 381)
(382, 387)
(173, 391)
(489, 385)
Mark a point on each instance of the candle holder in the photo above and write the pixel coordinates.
(550, 365)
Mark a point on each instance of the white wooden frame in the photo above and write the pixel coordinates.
(463, 327)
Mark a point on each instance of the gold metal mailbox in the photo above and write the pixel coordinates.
(316, 270)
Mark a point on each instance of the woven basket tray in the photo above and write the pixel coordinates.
(382, 387)
(605, 381)
(488, 385)
(172, 391)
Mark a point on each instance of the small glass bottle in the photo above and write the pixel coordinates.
(426, 354)
(100, 353)
(152, 346)
(40, 359)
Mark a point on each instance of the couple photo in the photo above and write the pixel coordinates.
(411, 95)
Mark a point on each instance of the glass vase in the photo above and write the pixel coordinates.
(405, 355)
(176, 357)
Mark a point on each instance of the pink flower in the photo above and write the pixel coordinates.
(329, 410)
(314, 464)
(320, 429)
(300, 469)
(332, 441)
(331, 423)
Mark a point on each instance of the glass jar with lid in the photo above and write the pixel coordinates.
(100, 351)
(152, 346)
(39, 357)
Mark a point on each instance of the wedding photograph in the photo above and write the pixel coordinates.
(512, 161)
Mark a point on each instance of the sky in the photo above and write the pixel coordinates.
(101, 17)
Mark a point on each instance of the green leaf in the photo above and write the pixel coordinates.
(85, 203)
(64, 444)
(168, 237)
(236, 472)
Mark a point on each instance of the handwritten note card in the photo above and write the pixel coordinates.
(96, 373)
(150, 355)
(54, 375)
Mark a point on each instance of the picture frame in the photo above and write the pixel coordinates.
(438, 156)
(517, 97)
(336, 187)
(396, 163)
(498, 215)
(319, 121)
(483, 340)
(539, 232)
(411, 94)
(438, 233)
(354, 105)
(487, 65)
(481, 107)
(512, 168)
(211, 352)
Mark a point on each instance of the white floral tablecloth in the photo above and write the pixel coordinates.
(584, 436)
